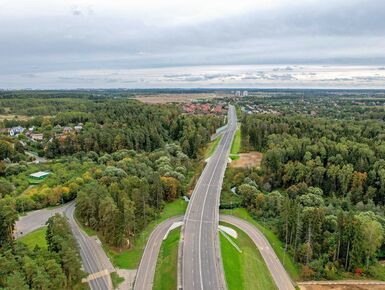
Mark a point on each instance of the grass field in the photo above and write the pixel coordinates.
(245, 270)
(166, 266)
(236, 145)
(129, 259)
(290, 266)
(35, 238)
(116, 279)
(14, 117)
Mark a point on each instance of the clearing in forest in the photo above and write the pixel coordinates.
(251, 159)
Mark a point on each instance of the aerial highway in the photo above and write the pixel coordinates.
(200, 265)
(146, 271)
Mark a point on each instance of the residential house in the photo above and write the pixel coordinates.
(16, 131)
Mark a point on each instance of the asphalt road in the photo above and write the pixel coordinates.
(201, 266)
(278, 272)
(94, 259)
(146, 271)
(36, 219)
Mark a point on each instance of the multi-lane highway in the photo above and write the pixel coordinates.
(146, 271)
(278, 272)
(201, 266)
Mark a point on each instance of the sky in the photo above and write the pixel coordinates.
(67, 44)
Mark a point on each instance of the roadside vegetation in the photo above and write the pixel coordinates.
(167, 263)
(245, 269)
(45, 259)
(236, 145)
(130, 258)
(35, 238)
(279, 248)
(319, 192)
(212, 146)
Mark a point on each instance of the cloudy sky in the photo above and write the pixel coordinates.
(192, 43)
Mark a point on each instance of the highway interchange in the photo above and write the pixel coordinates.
(200, 265)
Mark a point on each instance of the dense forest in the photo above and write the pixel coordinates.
(126, 160)
(57, 267)
(107, 125)
(123, 196)
(321, 187)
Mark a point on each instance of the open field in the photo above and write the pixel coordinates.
(173, 98)
(251, 159)
(246, 270)
(166, 266)
(14, 117)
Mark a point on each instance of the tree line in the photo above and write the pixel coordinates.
(57, 267)
(129, 190)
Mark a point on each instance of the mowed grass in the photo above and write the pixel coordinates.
(236, 145)
(245, 270)
(129, 259)
(279, 248)
(167, 264)
(35, 238)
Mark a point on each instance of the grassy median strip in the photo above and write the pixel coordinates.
(236, 145)
(287, 261)
(245, 269)
(35, 238)
(167, 264)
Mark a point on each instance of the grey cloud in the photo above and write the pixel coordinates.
(319, 32)
(29, 75)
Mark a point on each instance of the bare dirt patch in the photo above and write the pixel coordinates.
(251, 159)
(173, 98)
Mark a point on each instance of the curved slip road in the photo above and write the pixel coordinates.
(200, 265)
(146, 271)
(278, 272)
(94, 260)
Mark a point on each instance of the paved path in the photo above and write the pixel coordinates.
(278, 272)
(200, 265)
(146, 271)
